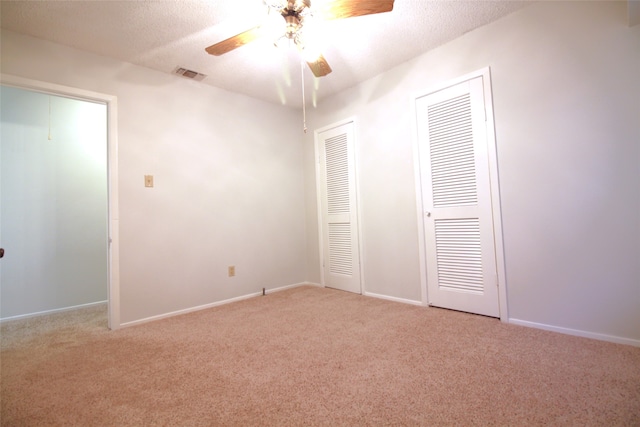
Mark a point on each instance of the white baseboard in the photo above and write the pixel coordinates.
(210, 305)
(313, 284)
(295, 285)
(386, 297)
(576, 332)
(46, 312)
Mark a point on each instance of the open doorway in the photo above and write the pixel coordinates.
(58, 198)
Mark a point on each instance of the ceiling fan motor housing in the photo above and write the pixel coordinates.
(293, 15)
(298, 5)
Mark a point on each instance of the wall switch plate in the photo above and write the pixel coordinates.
(148, 180)
(232, 270)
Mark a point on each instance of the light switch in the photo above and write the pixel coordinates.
(148, 180)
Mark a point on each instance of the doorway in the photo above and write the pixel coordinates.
(459, 219)
(58, 195)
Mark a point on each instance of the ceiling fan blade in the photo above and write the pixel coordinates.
(339, 9)
(320, 67)
(234, 42)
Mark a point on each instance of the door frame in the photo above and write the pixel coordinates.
(485, 73)
(113, 270)
(316, 162)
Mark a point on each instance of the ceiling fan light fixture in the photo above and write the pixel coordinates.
(309, 50)
(292, 26)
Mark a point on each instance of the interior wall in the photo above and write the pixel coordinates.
(228, 181)
(566, 103)
(54, 202)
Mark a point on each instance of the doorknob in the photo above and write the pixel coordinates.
(1, 252)
(427, 213)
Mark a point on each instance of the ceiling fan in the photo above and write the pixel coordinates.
(296, 13)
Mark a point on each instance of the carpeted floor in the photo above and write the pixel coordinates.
(311, 356)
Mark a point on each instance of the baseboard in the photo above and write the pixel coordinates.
(395, 299)
(576, 332)
(314, 284)
(210, 305)
(295, 285)
(57, 310)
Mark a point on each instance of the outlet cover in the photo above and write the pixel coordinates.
(232, 270)
(148, 180)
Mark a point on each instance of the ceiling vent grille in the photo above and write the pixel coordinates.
(190, 74)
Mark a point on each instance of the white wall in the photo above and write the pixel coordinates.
(53, 202)
(228, 175)
(567, 109)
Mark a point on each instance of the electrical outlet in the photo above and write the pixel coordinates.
(232, 270)
(148, 180)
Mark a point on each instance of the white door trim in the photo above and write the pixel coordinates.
(113, 295)
(485, 73)
(319, 213)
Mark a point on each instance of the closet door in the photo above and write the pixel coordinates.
(456, 198)
(339, 220)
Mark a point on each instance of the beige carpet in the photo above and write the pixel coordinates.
(311, 356)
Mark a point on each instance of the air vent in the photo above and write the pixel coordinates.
(190, 74)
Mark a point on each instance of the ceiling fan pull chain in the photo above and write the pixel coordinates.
(49, 137)
(304, 110)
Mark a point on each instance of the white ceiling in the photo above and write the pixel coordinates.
(163, 35)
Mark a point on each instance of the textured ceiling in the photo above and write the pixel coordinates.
(163, 35)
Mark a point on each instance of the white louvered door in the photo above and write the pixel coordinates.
(456, 198)
(340, 254)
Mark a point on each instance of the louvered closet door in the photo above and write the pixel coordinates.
(456, 196)
(341, 268)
